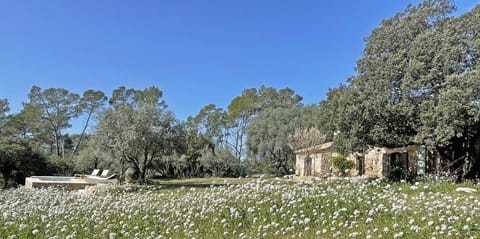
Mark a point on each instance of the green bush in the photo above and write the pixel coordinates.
(342, 165)
(396, 174)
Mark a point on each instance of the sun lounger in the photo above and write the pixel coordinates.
(104, 173)
(103, 176)
(97, 179)
(94, 173)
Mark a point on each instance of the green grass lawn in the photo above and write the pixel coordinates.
(245, 208)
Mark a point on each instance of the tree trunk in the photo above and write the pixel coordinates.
(57, 144)
(438, 169)
(142, 170)
(285, 167)
(278, 166)
(6, 176)
(474, 158)
(82, 134)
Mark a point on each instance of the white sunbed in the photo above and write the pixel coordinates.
(103, 177)
(94, 173)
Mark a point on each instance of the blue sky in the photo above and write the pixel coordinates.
(197, 52)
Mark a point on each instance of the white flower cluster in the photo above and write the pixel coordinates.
(258, 209)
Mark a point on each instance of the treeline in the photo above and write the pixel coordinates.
(417, 82)
(134, 128)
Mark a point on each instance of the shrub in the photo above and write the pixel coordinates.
(342, 165)
(396, 174)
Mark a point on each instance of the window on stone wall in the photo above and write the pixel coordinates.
(393, 160)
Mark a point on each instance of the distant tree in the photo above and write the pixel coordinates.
(243, 109)
(270, 135)
(3, 110)
(170, 166)
(203, 150)
(3, 114)
(27, 122)
(90, 103)
(211, 121)
(193, 145)
(220, 163)
(56, 107)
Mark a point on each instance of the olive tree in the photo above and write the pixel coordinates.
(137, 128)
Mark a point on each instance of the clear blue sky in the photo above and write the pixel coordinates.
(197, 52)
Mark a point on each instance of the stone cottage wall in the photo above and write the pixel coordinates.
(374, 163)
(317, 163)
(321, 164)
(299, 165)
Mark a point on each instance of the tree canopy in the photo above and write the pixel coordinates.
(413, 86)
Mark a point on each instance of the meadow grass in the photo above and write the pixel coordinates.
(253, 208)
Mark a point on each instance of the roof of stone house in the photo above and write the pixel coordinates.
(315, 149)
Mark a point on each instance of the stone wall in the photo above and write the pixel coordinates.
(374, 160)
(374, 165)
(299, 165)
(321, 164)
(32, 182)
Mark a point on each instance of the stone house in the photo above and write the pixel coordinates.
(377, 162)
(314, 161)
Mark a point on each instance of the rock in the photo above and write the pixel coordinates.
(131, 175)
(130, 188)
(466, 190)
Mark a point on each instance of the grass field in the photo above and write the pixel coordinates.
(245, 208)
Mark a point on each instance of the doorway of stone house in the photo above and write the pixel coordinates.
(361, 165)
(308, 166)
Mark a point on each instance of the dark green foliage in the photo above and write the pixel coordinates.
(396, 174)
(416, 84)
(18, 160)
